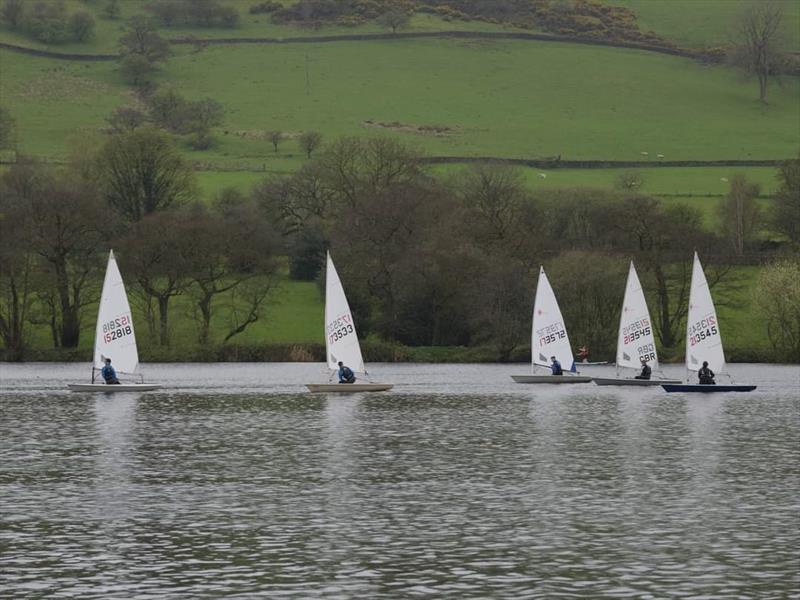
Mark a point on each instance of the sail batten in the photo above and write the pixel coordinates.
(703, 339)
(341, 339)
(114, 335)
(548, 332)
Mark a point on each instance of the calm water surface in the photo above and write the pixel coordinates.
(234, 482)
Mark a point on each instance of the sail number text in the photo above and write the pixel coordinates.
(636, 331)
(117, 328)
(339, 328)
(702, 330)
(551, 333)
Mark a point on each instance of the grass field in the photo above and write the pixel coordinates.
(510, 99)
(706, 23)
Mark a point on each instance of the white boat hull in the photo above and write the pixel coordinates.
(632, 382)
(104, 387)
(551, 378)
(349, 388)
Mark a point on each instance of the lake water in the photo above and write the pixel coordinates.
(235, 482)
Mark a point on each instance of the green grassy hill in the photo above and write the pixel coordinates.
(706, 23)
(508, 99)
(501, 98)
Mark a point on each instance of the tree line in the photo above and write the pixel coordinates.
(452, 260)
(137, 195)
(427, 259)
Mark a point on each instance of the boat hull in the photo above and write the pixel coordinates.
(633, 382)
(349, 388)
(707, 389)
(123, 387)
(591, 363)
(551, 378)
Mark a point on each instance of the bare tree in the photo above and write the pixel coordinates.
(66, 230)
(141, 38)
(739, 213)
(295, 199)
(232, 247)
(13, 13)
(503, 216)
(662, 241)
(17, 265)
(275, 137)
(153, 254)
(629, 181)
(758, 42)
(248, 303)
(140, 172)
(111, 10)
(394, 18)
(125, 118)
(786, 215)
(310, 141)
(6, 129)
(589, 286)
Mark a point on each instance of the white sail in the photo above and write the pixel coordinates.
(114, 337)
(341, 340)
(703, 340)
(636, 339)
(548, 333)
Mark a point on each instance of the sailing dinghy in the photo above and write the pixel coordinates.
(635, 339)
(703, 340)
(114, 337)
(549, 338)
(341, 340)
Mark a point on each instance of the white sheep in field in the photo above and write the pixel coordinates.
(723, 179)
(644, 153)
(543, 175)
(660, 155)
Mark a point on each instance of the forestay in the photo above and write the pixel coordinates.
(548, 333)
(636, 340)
(703, 340)
(114, 337)
(341, 340)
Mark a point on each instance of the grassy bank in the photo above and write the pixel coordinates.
(373, 353)
(291, 330)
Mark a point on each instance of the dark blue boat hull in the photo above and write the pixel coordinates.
(706, 389)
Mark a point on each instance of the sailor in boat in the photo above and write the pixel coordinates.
(346, 374)
(109, 374)
(583, 353)
(706, 375)
(646, 370)
(555, 367)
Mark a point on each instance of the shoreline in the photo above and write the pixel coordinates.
(374, 352)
